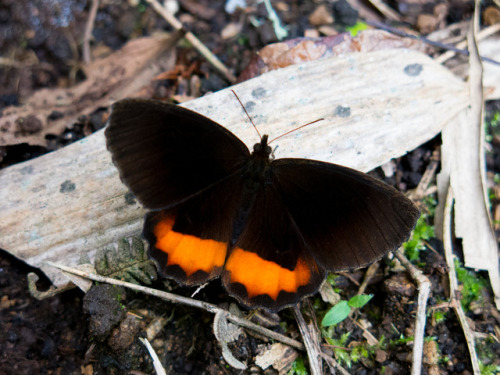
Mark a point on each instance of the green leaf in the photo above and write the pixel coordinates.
(359, 301)
(355, 29)
(336, 314)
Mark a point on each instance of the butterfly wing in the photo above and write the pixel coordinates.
(190, 241)
(166, 153)
(269, 265)
(311, 217)
(348, 219)
(187, 169)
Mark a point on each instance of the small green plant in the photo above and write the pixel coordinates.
(490, 369)
(492, 126)
(422, 232)
(402, 340)
(339, 347)
(342, 309)
(359, 351)
(346, 355)
(298, 367)
(472, 285)
(439, 316)
(356, 28)
(487, 356)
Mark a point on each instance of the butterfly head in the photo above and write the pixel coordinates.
(262, 149)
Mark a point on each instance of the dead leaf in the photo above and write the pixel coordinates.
(117, 76)
(300, 50)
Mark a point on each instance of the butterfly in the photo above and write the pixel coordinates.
(270, 228)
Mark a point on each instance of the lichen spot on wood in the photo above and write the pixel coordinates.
(130, 199)
(67, 187)
(413, 70)
(259, 92)
(342, 111)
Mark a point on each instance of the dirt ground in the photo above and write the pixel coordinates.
(41, 47)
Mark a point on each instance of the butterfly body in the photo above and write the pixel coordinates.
(270, 228)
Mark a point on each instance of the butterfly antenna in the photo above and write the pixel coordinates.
(291, 131)
(242, 106)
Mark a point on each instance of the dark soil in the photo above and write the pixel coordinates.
(64, 335)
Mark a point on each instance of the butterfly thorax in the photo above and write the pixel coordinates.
(256, 174)
(257, 169)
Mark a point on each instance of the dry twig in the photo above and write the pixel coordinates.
(481, 35)
(88, 31)
(370, 272)
(156, 361)
(185, 301)
(387, 11)
(176, 24)
(312, 347)
(424, 287)
(454, 302)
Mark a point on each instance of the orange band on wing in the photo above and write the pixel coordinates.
(189, 252)
(261, 276)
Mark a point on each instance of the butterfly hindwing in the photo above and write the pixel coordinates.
(190, 241)
(270, 265)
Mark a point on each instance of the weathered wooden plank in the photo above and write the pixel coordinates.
(376, 106)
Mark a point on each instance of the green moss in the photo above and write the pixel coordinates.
(422, 232)
(472, 285)
(298, 367)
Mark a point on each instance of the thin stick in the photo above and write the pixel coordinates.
(454, 302)
(88, 31)
(311, 347)
(483, 34)
(332, 362)
(424, 287)
(476, 89)
(156, 361)
(205, 52)
(183, 300)
(387, 11)
(427, 41)
(422, 189)
(370, 272)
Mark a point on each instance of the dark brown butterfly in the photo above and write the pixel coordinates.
(270, 228)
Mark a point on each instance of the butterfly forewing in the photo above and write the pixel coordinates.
(346, 218)
(166, 153)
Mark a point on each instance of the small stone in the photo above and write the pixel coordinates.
(320, 16)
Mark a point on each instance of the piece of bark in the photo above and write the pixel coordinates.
(491, 73)
(376, 106)
(464, 169)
